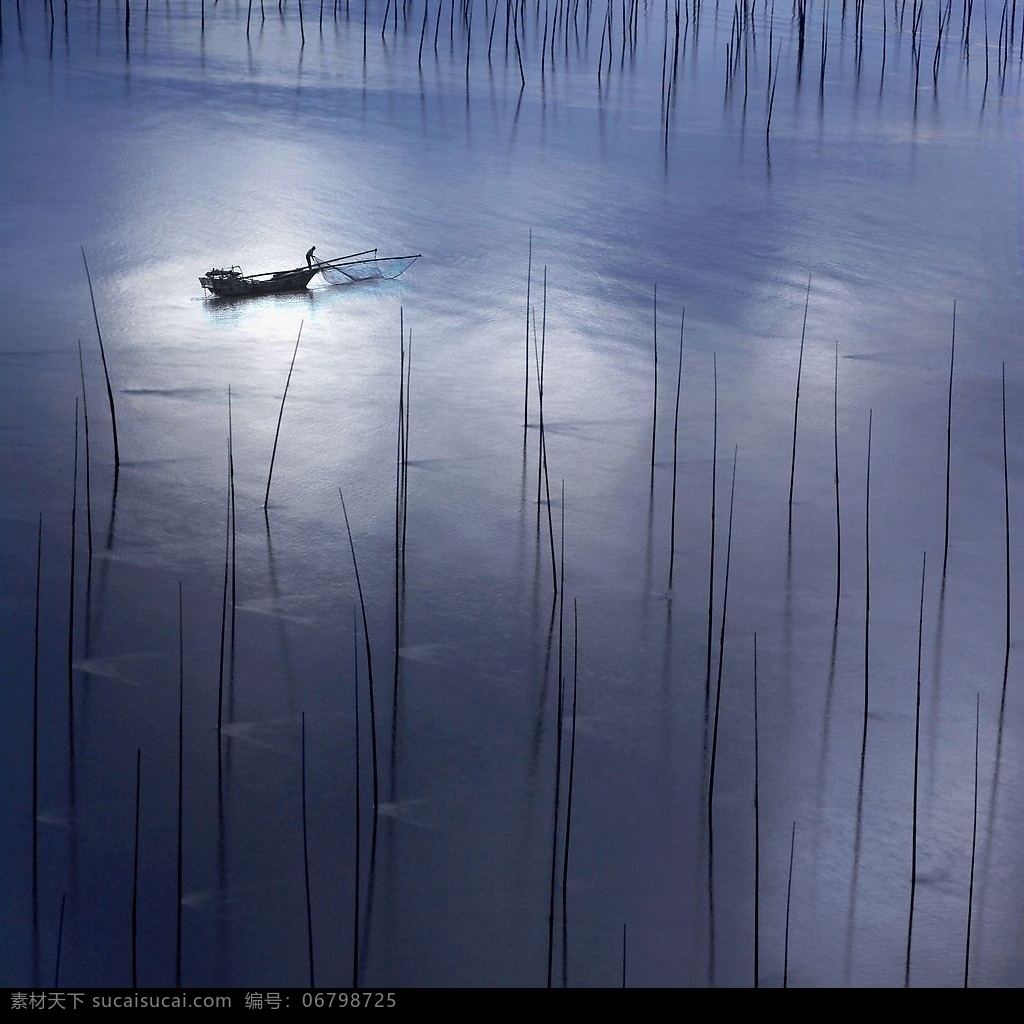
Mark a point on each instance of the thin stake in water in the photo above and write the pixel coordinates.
(835, 443)
(949, 440)
(135, 873)
(721, 657)
(772, 83)
(757, 839)
(35, 710)
(974, 844)
(789, 899)
(60, 941)
(554, 829)
(529, 274)
(654, 415)
(71, 591)
(358, 808)
(796, 403)
(1006, 512)
(867, 593)
(305, 861)
(400, 457)
(711, 565)
(542, 463)
(675, 456)
(88, 475)
(917, 761)
(227, 561)
(405, 448)
(181, 790)
(568, 799)
(280, 415)
(106, 373)
(369, 656)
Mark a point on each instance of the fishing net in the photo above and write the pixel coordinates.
(345, 271)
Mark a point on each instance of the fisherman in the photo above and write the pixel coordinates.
(309, 256)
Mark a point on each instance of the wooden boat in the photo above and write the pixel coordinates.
(233, 282)
(358, 266)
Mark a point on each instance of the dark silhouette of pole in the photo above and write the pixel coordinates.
(280, 416)
(106, 372)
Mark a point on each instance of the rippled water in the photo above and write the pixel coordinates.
(869, 231)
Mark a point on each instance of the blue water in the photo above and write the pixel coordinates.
(582, 213)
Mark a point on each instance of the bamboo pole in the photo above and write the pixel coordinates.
(369, 657)
(60, 942)
(675, 456)
(721, 658)
(867, 593)
(974, 844)
(88, 460)
(949, 441)
(1006, 533)
(234, 557)
(773, 82)
(227, 560)
(358, 805)
(305, 862)
(789, 899)
(106, 373)
(796, 403)
(135, 873)
(824, 50)
(569, 793)
(490, 35)
(280, 415)
(526, 388)
(35, 710)
(519, 55)
(542, 464)
(835, 444)
(181, 790)
(917, 761)
(554, 828)
(405, 450)
(399, 493)
(71, 590)
(757, 838)
(711, 568)
(654, 414)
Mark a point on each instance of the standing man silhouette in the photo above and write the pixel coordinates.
(309, 256)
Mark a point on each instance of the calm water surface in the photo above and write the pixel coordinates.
(627, 196)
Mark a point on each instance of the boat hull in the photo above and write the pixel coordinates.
(234, 283)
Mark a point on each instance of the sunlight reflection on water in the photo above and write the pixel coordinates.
(211, 147)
